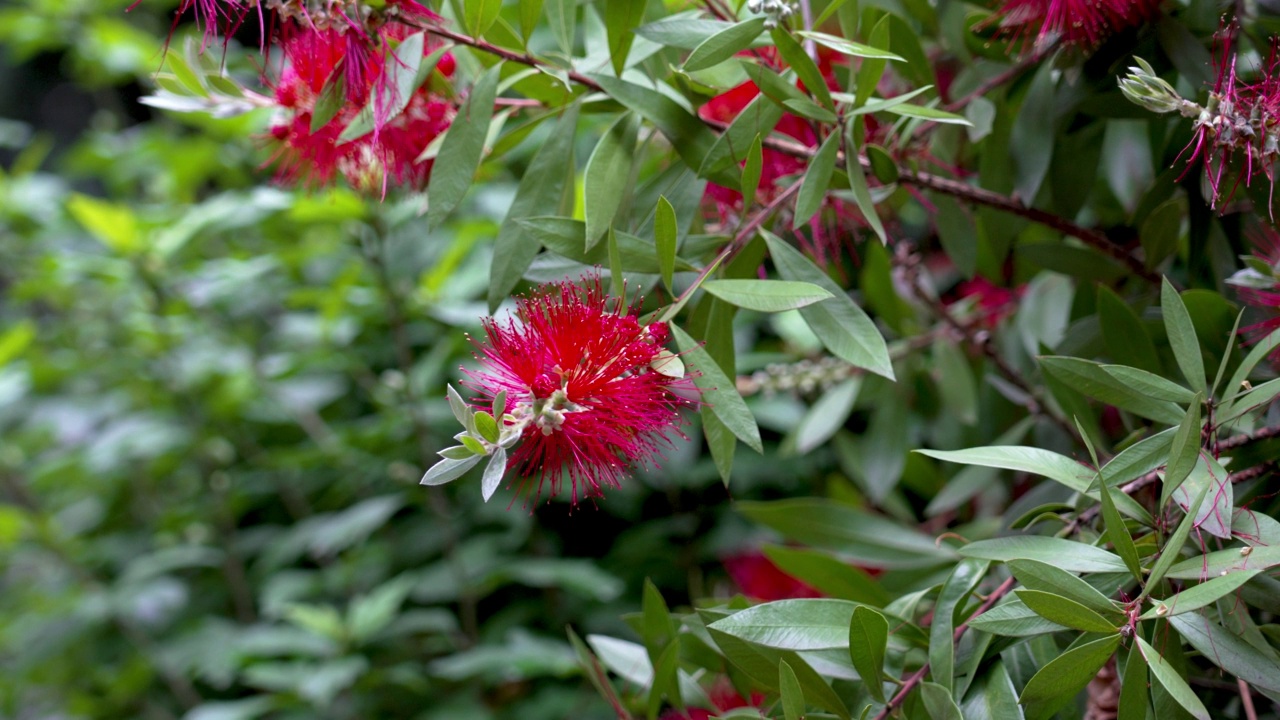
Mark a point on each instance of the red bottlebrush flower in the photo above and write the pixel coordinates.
(1083, 23)
(389, 152)
(760, 579)
(586, 381)
(723, 697)
(992, 302)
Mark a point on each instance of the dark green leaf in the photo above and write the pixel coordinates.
(718, 391)
(1168, 677)
(1050, 578)
(1134, 703)
(751, 173)
(816, 178)
(1062, 611)
(797, 59)
(1070, 672)
(1033, 131)
(858, 184)
(1171, 550)
(690, 137)
(620, 20)
(1196, 597)
(942, 652)
(1182, 336)
(939, 703)
(829, 575)
(608, 175)
(1128, 341)
(792, 694)
(1184, 453)
(1013, 618)
(724, 44)
(1092, 379)
(665, 235)
(1118, 533)
(1229, 651)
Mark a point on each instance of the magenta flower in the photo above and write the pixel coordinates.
(590, 390)
(1083, 23)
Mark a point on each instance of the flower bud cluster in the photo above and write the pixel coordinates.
(805, 377)
(1143, 87)
(776, 10)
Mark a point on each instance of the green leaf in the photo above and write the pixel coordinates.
(562, 16)
(1169, 553)
(942, 651)
(1127, 339)
(993, 697)
(724, 44)
(1150, 384)
(664, 236)
(1184, 453)
(1229, 651)
(792, 694)
(493, 473)
(1194, 598)
(810, 110)
(811, 624)
(1261, 349)
(479, 15)
(659, 626)
(858, 184)
(1013, 618)
(1215, 515)
(593, 669)
(1171, 681)
(541, 188)
(1134, 703)
(620, 20)
(486, 426)
(751, 173)
(617, 282)
(1062, 611)
(332, 98)
(448, 470)
(1225, 562)
(113, 225)
(1065, 554)
(756, 120)
(813, 189)
(1069, 673)
(868, 637)
(767, 295)
(718, 391)
(1032, 140)
(1160, 231)
(850, 48)
(566, 237)
(1118, 533)
(939, 702)
(397, 90)
(720, 441)
(927, 113)
(797, 59)
(957, 232)
(607, 176)
(827, 415)
(1182, 336)
(1092, 379)
(666, 679)
(1047, 577)
(829, 575)
(841, 326)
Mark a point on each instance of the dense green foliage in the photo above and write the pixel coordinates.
(969, 356)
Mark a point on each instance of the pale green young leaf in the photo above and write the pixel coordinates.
(448, 470)
(850, 48)
(939, 702)
(1215, 514)
(493, 473)
(1225, 562)
(479, 15)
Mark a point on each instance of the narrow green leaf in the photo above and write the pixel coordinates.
(939, 702)
(566, 237)
(607, 175)
(1194, 598)
(690, 137)
(806, 69)
(957, 232)
(332, 98)
(1031, 146)
(766, 295)
(924, 112)
(493, 473)
(718, 391)
(1169, 553)
(1013, 618)
(808, 109)
(1225, 562)
(1070, 672)
(757, 119)
(942, 650)
(658, 625)
(541, 188)
(479, 15)
(858, 184)
(751, 174)
(1150, 384)
(841, 326)
(664, 235)
(462, 148)
(816, 179)
(868, 636)
(1062, 611)
(832, 576)
(1118, 533)
(1226, 356)
(993, 697)
(1184, 453)
(792, 694)
(1261, 349)
(1134, 703)
(620, 20)
(1171, 681)
(720, 441)
(724, 44)
(850, 48)
(1092, 379)
(1182, 336)
(776, 87)
(872, 67)
(1047, 577)
(666, 679)
(562, 16)
(1066, 554)
(1229, 651)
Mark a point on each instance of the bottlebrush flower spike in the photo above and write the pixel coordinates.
(585, 390)
(1082, 23)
